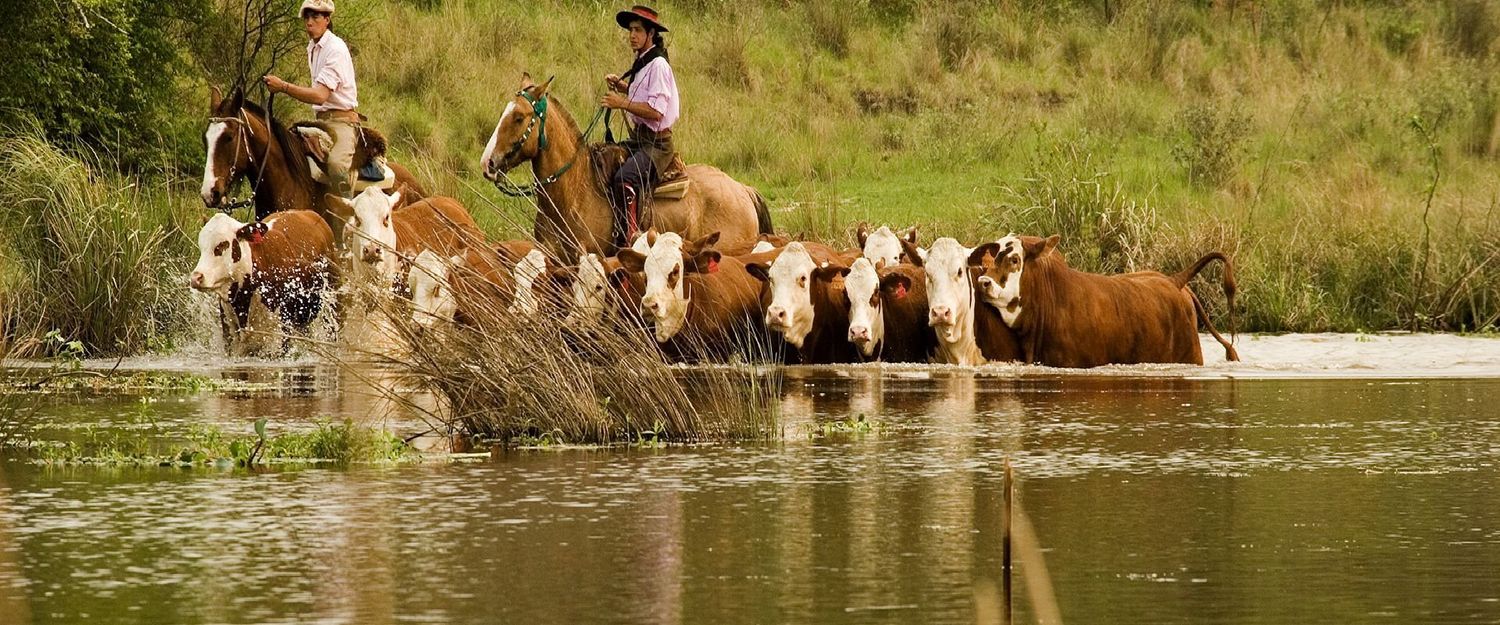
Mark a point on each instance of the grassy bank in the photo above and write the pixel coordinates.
(1344, 153)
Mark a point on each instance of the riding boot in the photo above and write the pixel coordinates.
(623, 201)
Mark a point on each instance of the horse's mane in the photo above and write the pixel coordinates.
(291, 149)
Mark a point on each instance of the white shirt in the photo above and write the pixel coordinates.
(330, 65)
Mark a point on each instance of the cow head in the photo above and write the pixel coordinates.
(518, 134)
(373, 232)
(431, 294)
(590, 291)
(666, 298)
(881, 245)
(866, 289)
(791, 279)
(531, 273)
(224, 252)
(1000, 284)
(950, 294)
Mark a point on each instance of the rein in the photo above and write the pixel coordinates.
(539, 118)
(243, 123)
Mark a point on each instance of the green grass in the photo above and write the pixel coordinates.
(1281, 133)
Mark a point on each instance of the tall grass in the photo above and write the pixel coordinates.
(85, 251)
(511, 377)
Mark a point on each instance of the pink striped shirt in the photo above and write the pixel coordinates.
(655, 86)
(330, 65)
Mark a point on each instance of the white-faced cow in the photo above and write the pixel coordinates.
(888, 311)
(805, 302)
(883, 244)
(962, 336)
(1069, 318)
(704, 303)
(271, 276)
(386, 238)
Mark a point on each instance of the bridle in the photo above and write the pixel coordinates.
(242, 123)
(538, 119)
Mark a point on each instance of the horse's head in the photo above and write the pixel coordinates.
(520, 134)
(228, 141)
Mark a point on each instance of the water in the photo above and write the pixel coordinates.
(1330, 479)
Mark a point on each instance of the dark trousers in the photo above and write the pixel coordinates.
(633, 182)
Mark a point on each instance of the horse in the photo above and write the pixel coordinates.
(244, 142)
(574, 215)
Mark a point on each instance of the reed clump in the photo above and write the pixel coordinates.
(510, 377)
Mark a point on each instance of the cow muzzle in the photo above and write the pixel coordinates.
(859, 335)
(776, 318)
(370, 253)
(940, 315)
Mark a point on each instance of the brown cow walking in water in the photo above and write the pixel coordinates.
(1069, 318)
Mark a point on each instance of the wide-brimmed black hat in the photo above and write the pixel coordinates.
(639, 12)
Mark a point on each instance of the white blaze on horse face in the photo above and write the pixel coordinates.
(372, 219)
(590, 289)
(665, 301)
(431, 297)
(950, 297)
(489, 148)
(882, 245)
(528, 269)
(791, 282)
(866, 321)
(211, 136)
(1001, 286)
(223, 258)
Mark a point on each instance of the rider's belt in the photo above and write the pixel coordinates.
(646, 133)
(338, 115)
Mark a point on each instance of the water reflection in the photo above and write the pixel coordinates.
(1157, 500)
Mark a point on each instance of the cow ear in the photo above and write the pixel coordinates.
(706, 261)
(393, 199)
(708, 241)
(632, 261)
(911, 235)
(801, 236)
(340, 206)
(760, 271)
(505, 255)
(909, 250)
(252, 232)
(215, 98)
(829, 271)
(895, 285)
(984, 253)
(1037, 249)
(862, 234)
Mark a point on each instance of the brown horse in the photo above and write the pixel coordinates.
(573, 210)
(243, 142)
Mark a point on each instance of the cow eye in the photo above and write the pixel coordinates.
(598, 287)
(802, 281)
(875, 299)
(386, 223)
(222, 247)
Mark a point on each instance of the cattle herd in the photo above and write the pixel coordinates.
(887, 299)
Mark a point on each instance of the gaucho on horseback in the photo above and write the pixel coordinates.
(648, 95)
(333, 94)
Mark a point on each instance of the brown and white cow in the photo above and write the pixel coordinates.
(603, 288)
(1069, 318)
(388, 238)
(804, 301)
(271, 276)
(705, 304)
(482, 281)
(883, 244)
(888, 311)
(966, 334)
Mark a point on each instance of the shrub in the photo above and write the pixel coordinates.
(1210, 141)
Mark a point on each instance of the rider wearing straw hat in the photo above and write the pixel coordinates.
(333, 93)
(648, 95)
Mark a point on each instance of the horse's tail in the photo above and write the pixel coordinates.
(762, 212)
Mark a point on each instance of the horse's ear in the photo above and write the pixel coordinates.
(215, 97)
(526, 81)
(542, 90)
(237, 98)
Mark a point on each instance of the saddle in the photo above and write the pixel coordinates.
(369, 153)
(672, 184)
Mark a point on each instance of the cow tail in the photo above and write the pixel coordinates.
(762, 212)
(1182, 278)
(1230, 353)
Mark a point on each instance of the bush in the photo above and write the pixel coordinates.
(1211, 139)
(87, 250)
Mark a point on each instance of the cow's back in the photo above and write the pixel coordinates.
(294, 264)
(440, 224)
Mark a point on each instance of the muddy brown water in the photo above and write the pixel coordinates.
(1329, 479)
